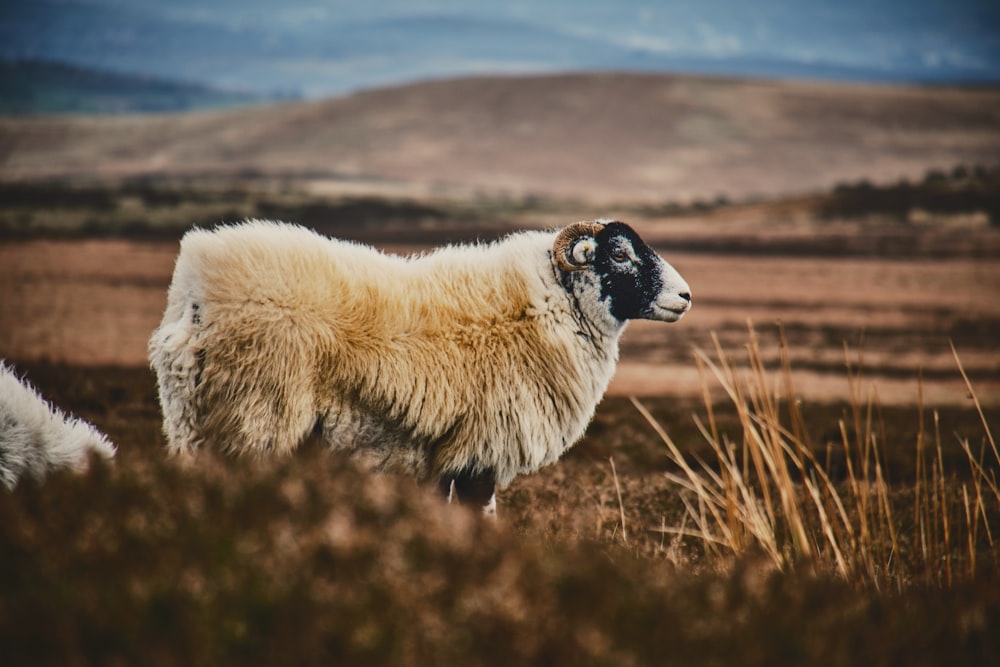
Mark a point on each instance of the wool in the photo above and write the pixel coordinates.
(36, 437)
(466, 358)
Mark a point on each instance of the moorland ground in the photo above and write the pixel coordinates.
(863, 290)
(312, 558)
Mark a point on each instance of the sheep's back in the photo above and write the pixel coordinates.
(289, 268)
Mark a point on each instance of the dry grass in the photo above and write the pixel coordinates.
(768, 491)
(774, 557)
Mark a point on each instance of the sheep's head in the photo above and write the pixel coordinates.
(632, 280)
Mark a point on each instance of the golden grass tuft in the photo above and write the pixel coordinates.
(770, 490)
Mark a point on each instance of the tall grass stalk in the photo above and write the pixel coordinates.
(621, 505)
(768, 491)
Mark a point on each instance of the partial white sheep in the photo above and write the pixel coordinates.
(467, 366)
(36, 437)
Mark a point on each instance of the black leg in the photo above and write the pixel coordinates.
(471, 488)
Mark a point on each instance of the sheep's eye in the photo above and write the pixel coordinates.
(619, 255)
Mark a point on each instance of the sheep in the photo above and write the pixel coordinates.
(36, 437)
(466, 366)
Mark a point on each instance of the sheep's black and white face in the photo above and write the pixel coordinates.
(632, 280)
(635, 282)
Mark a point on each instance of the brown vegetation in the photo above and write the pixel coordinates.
(309, 559)
(818, 489)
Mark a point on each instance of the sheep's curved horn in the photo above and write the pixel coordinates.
(562, 247)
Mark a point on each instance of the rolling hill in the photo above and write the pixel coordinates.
(587, 136)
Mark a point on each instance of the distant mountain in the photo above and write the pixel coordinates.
(586, 137)
(36, 86)
(323, 49)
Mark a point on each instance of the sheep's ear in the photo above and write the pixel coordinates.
(584, 251)
(574, 248)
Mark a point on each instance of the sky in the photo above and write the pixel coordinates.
(322, 48)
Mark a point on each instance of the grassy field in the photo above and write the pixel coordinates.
(626, 552)
(820, 488)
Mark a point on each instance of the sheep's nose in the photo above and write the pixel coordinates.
(686, 296)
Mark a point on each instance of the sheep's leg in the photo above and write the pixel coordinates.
(471, 488)
(177, 358)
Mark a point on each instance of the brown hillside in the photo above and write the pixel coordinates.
(594, 136)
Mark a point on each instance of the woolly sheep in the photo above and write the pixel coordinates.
(36, 437)
(467, 366)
